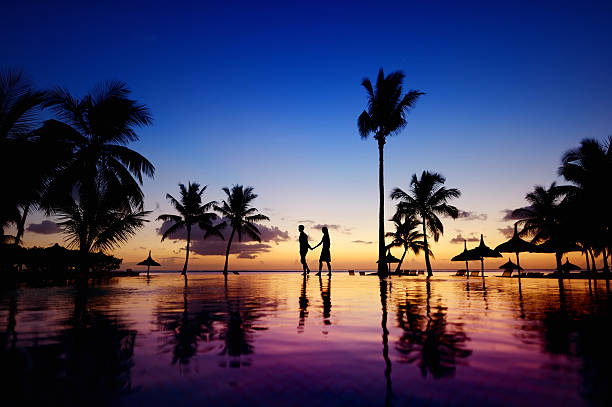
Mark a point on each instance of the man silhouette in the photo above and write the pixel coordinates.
(304, 246)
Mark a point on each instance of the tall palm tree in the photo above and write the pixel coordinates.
(541, 219)
(191, 212)
(406, 236)
(103, 175)
(237, 210)
(426, 200)
(589, 169)
(385, 115)
(20, 105)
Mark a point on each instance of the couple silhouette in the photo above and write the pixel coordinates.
(305, 246)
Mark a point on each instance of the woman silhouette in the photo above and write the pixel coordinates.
(325, 255)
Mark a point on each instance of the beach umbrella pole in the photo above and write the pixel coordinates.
(482, 266)
(467, 269)
(518, 265)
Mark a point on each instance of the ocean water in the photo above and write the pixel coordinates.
(278, 339)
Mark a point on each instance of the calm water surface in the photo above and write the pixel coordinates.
(276, 339)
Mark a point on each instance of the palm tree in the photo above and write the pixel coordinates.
(541, 219)
(427, 199)
(100, 125)
(237, 210)
(98, 222)
(406, 236)
(192, 212)
(385, 115)
(588, 168)
(19, 108)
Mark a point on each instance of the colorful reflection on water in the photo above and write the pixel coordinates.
(280, 339)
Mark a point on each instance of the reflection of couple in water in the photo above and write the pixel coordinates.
(325, 255)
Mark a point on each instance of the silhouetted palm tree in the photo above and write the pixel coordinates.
(237, 210)
(98, 222)
(407, 237)
(540, 220)
(385, 115)
(589, 169)
(98, 191)
(191, 212)
(19, 108)
(100, 125)
(427, 199)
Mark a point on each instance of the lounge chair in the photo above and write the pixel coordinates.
(421, 272)
(411, 273)
(474, 273)
(362, 273)
(351, 272)
(460, 273)
(507, 273)
(534, 274)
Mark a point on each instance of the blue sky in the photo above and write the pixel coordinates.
(268, 94)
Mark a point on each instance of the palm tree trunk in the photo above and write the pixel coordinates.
(21, 224)
(229, 244)
(399, 265)
(593, 266)
(427, 263)
(558, 257)
(604, 253)
(382, 266)
(586, 254)
(184, 272)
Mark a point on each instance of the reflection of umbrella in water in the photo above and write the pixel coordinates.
(515, 245)
(466, 256)
(389, 258)
(148, 262)
(567, 266)
(482, 251)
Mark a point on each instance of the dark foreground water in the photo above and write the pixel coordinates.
(276, 339)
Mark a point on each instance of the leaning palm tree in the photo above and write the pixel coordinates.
(385, 115)
(191, 212)
(427, 199)
(97, 223)
(406, 236)
(237, 210)
(20, 105)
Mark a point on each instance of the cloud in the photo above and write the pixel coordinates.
(306, 221)
(339, 228)
(460, 239)
(508, 214)
(468, 215)
(245, 249)
(362, 242)
(507, 231)
(46, 227)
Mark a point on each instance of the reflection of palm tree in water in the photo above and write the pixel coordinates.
(239, 329)
(326, 297)
(303, 303)
(430, 340)
(385, 340)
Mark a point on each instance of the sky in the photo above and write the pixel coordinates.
(268, 94)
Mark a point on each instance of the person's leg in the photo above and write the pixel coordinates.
(329, 267)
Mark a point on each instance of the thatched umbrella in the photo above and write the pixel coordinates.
(516, 245)
(567, 266)
(389, 258)
(148, 262)
(482, 251)
(466, 256)
(509, 266)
